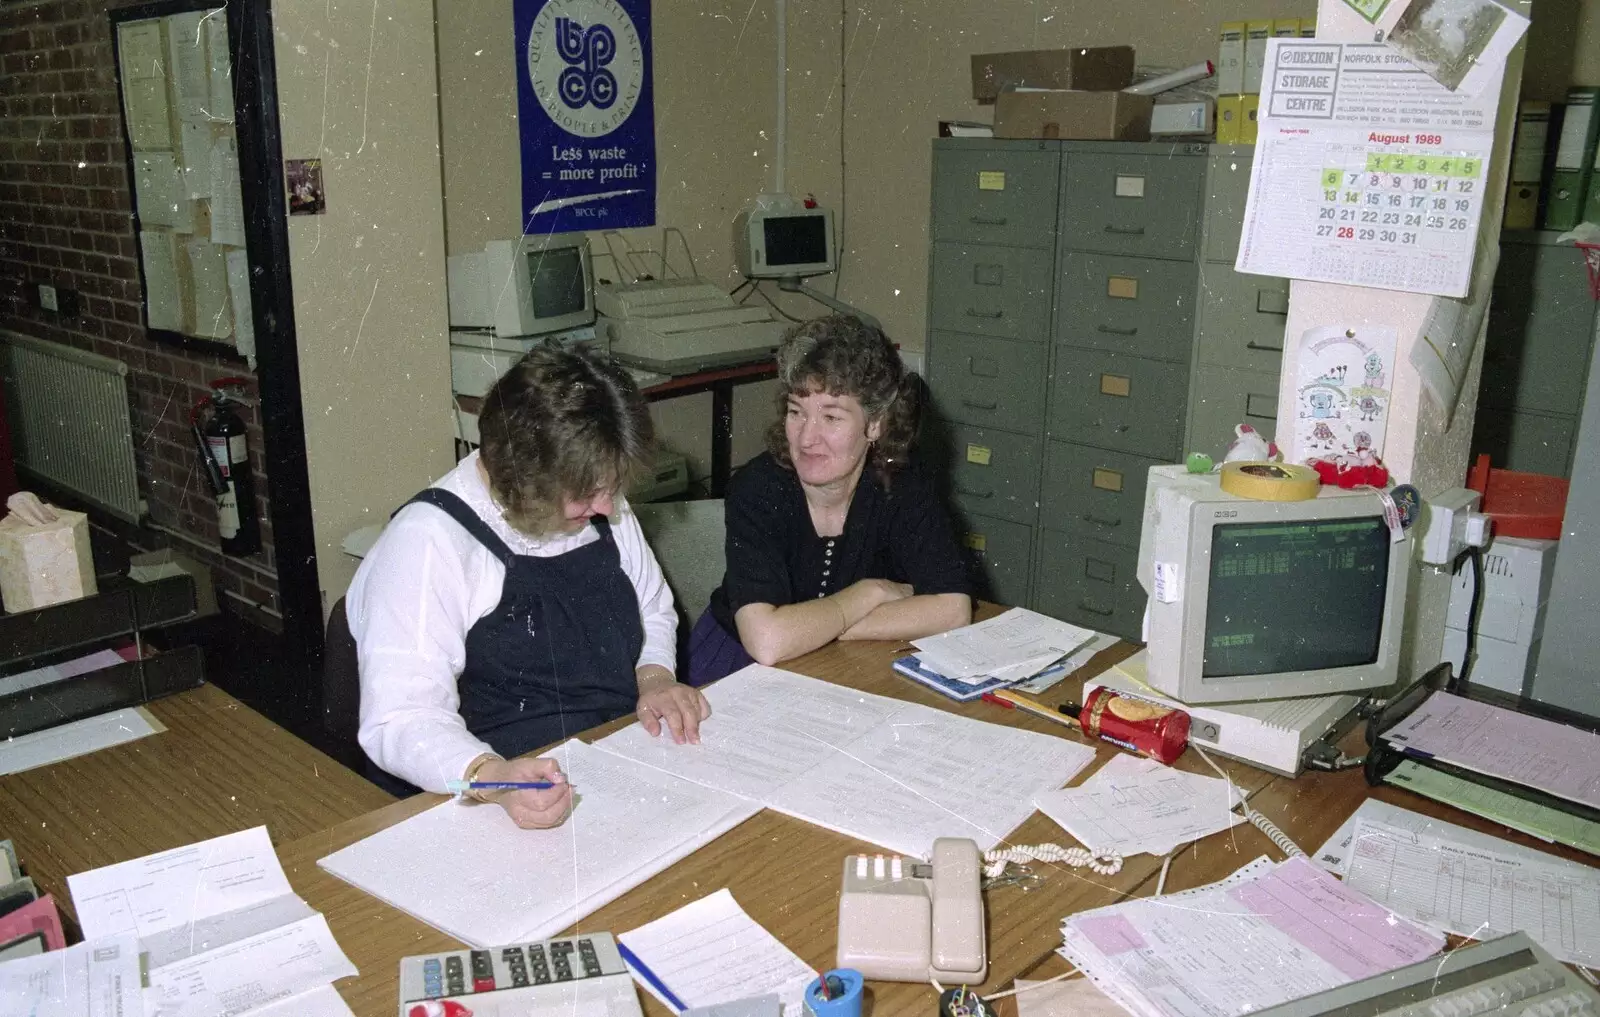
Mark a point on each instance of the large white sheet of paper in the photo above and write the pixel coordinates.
(1560, 760)
(1134, 805)
(163, 303)
(221, 70)
(323, 1001)
(1478, 892)
(188, 899)
(712, 952)
(1017, 637)
(924, 774)
(160, 191)
(227, 200)
(1367, 172)
(244, 325)
(896, 774)
(142, 56)
(767, 727)
(98, 978)
(245, 976)
(187, 67)
(470, 872)
(208, 273)
(1450, 331)
(1244, 946)
(79, 738)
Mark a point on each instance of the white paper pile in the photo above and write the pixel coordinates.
(1009, 647)
(223, 933)
(1263, 936)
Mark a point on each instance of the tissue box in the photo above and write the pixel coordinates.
(44, 565)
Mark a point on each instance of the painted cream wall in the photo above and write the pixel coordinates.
(356, 87)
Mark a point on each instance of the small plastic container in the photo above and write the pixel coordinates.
(1528, 505)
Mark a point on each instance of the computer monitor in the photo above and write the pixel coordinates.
(784, 242)
(1255, 600)
(529, 286)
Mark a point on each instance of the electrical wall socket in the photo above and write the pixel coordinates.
(47, 297)
(1451, 524)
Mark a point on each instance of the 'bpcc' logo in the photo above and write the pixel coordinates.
(586, 64)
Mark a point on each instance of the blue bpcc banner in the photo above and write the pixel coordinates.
(586, 114)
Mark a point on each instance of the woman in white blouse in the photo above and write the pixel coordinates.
(515, 602)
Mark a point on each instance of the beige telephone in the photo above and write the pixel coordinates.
(906, 920)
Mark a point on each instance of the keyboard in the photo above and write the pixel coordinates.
(1511, 976)
(548, 977)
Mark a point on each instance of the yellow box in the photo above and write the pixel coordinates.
(1286, 28)
(1247, 119)
(1308, 28)
(1230, 58)
(1256, 34)
(1230, 110)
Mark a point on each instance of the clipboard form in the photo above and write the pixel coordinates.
(1545, 758)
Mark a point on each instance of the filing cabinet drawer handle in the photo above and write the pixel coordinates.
(1268, 403)
(1090, 517)
(968, 492)
(1108, 330)
(1104, 612)
(987, 220)
(1263, 347)
(976, 405)
(973, 312)
(1126, 231)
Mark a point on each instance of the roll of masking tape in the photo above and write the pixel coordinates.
(1270, 481)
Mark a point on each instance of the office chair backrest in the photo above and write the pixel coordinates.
(341, 690)
(687, 537)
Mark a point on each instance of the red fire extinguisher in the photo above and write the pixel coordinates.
(225, 457)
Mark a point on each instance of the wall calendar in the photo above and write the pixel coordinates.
(1367, 171)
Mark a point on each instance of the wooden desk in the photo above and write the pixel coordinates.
(219, 767)
(783, 871)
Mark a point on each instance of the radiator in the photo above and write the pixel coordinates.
(70, 424)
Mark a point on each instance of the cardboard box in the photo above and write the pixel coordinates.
(1093, 69)
(1230, 58)
(1250, 107)
(154, 565)
(1082, 116)
(47, 563)
(1230, 113)
(1256, 34)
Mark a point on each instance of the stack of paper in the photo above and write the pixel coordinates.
(1542, 754)
(711, 952)
(1134, 805)
(1266, 935)
(1008, 648)
(881, 770)
(93, 979)
(1468, 883)
(224, 934)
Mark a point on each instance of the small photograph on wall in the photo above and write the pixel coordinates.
(306, 196)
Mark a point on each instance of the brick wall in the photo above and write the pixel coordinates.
(65, 219)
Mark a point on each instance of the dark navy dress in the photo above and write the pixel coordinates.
(557, 654)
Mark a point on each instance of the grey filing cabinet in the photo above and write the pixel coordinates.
(1536, 355)
(1238, 347)
(1061, 326)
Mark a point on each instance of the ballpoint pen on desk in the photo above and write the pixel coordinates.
(651, 978)
(1012, 700)
(463, 786)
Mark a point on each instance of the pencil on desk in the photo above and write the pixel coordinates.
(1020, 701)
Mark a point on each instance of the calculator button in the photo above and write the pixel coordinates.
(589, 959)
(897, 868)
(877, 867)
(482, 971)
(861, 866)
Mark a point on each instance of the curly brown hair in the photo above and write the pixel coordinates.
(561, 424)
(843, 356)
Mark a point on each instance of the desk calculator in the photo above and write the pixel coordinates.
(581, 974)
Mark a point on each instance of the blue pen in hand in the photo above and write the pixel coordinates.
(632, 960)
(461, 786)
